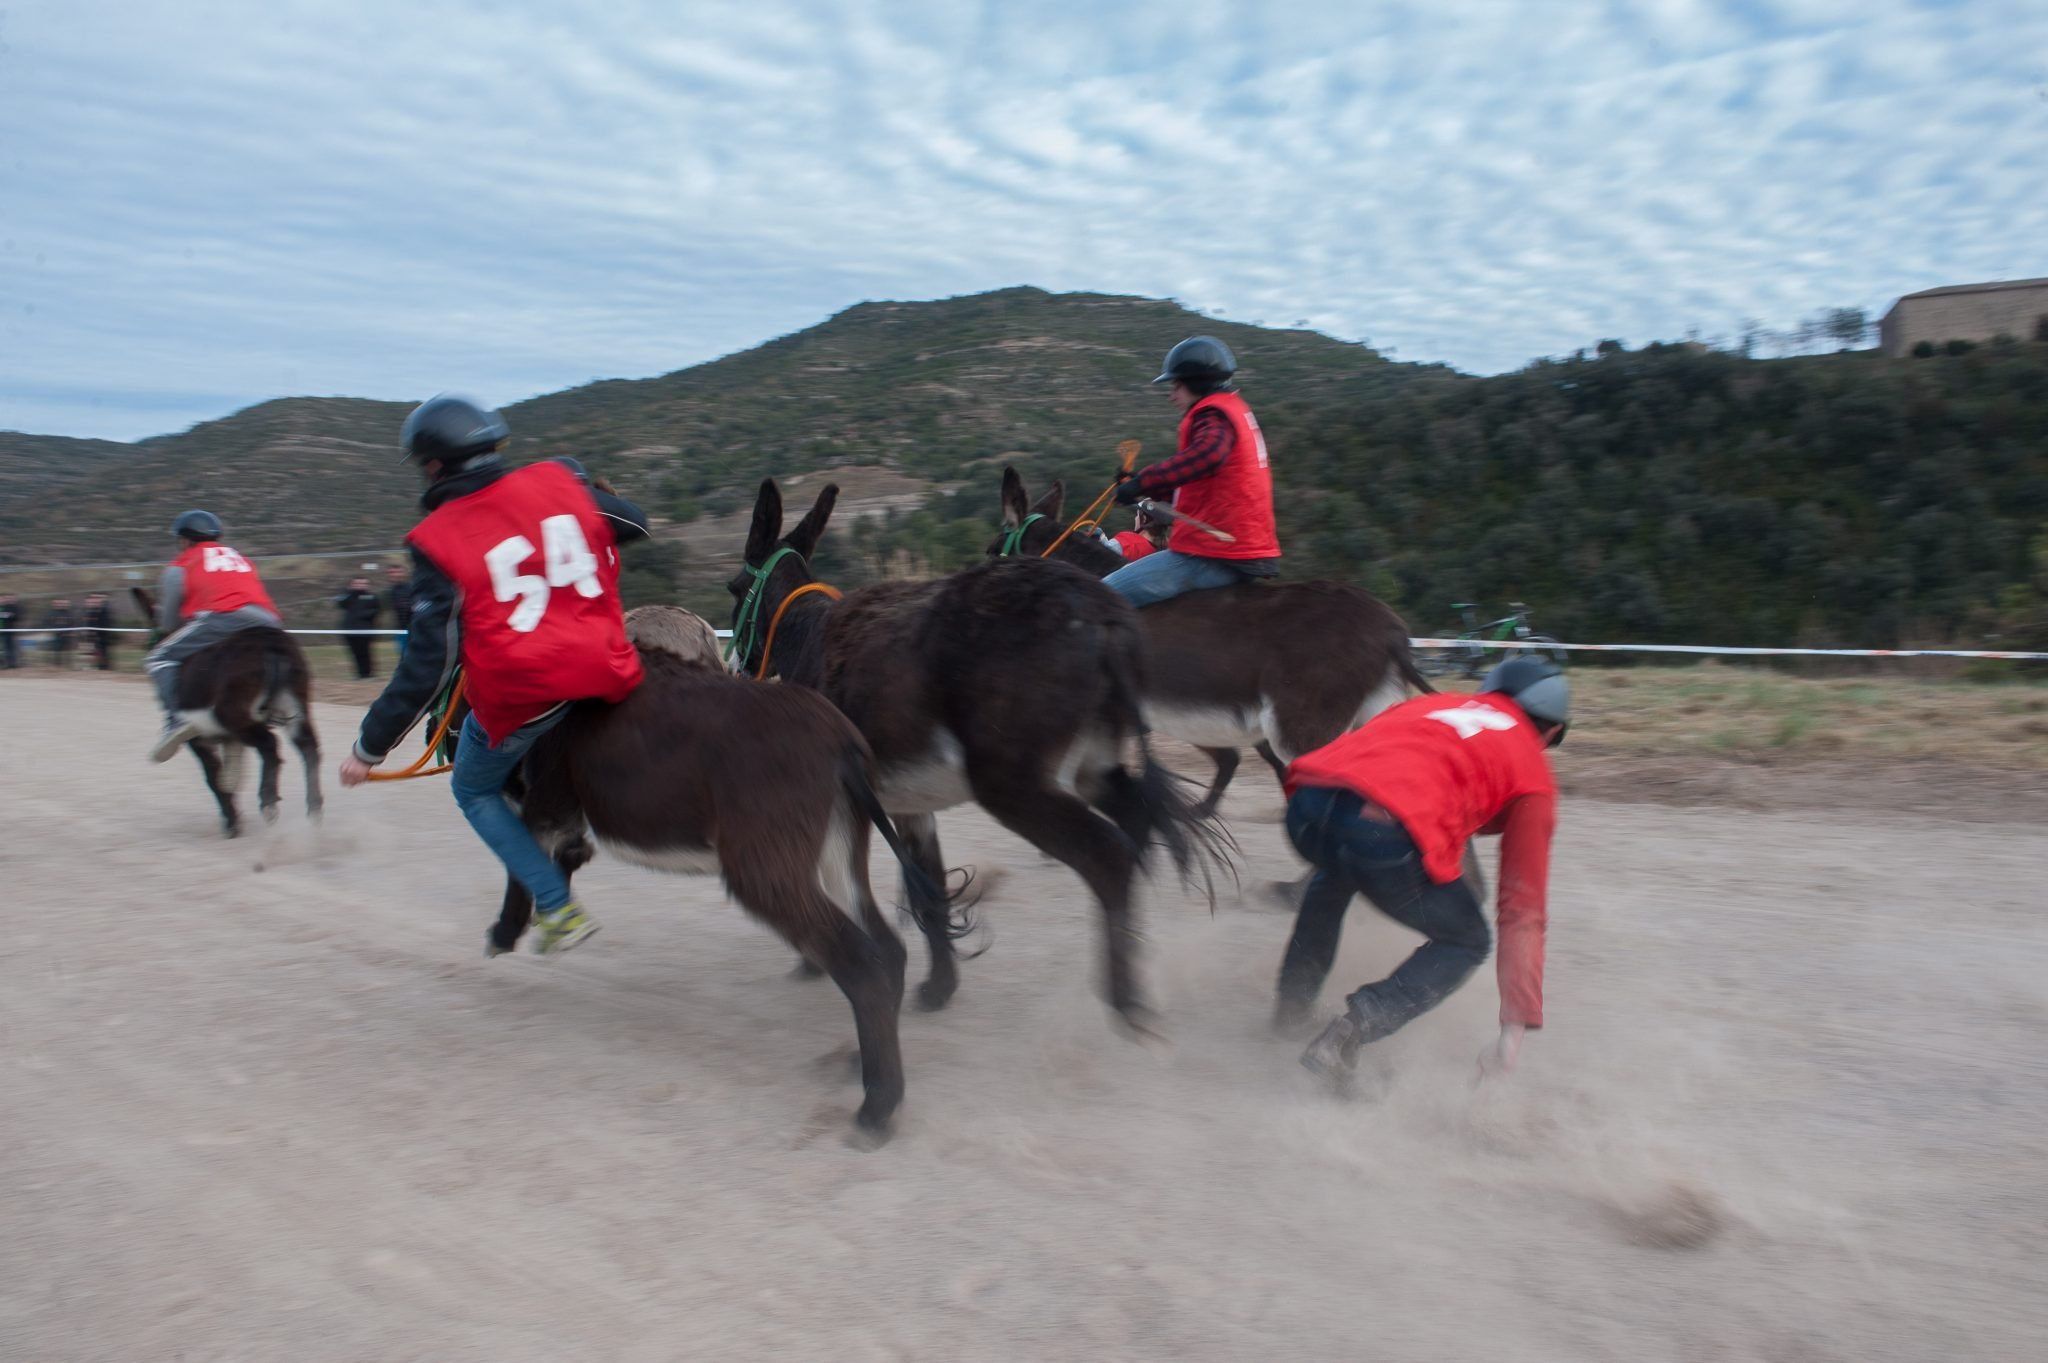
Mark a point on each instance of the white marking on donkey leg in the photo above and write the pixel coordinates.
(838, 877)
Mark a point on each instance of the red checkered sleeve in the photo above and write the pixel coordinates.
(1209, 443)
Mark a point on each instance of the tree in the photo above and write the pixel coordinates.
(1849, 326)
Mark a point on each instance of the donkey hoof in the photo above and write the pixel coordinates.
(806, 969)
(270, 813)
(932, 996)
(869, 1134)
(1140, 1023)
(494, 947)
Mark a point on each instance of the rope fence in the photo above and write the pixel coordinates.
(1708, 650)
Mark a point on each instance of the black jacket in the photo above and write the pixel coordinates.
(400, 597)
(433, 637)
(359, 610)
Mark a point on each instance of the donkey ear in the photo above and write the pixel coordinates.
(1054, 500)
(804, 539)
(767, 527)
(1015, 499)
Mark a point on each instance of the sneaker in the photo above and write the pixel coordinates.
(177, 733)
(1334, 1054)
(566, 927)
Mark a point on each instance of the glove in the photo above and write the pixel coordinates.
(1128, 493)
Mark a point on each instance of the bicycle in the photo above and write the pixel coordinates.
(1467, 658)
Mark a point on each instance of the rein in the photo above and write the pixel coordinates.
(419, 764)
(1013, 539)
(768, 646)
(1091, 518)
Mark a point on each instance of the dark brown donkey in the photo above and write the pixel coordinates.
(1013, 684)
(1282, 668)
(246, 685)
(768, 787)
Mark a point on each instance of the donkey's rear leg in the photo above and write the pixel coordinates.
(259, 737)
(207, 752)
(1063, 826)
(308, 744)
(920, 835)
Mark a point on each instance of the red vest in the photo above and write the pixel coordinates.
(537, 584)
(1134, 545)
(1237, 498)
(1446, 766)
(219, 579)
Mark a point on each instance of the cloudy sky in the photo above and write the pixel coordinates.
(210, 203)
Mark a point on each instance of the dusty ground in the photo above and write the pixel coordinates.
(1790, 1105)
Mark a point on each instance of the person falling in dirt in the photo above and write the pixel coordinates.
(1219, 476)
(515, 575)
(206, 594)
(1386, 812)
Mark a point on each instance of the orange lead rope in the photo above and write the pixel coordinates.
(419, 766)
(1092, 516)
(768, 647)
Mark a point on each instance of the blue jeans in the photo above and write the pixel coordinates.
(1354, 854)
(479, 784)
(1165, 575)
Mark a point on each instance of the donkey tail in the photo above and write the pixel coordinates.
(928, 903)
(1196, 843)
(1404, 660)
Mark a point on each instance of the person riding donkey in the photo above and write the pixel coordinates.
(207, 593)
(1219, 477)
(515, 573)
(1386, 811)
(1147, 535)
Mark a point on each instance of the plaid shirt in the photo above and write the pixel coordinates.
(1209, 443)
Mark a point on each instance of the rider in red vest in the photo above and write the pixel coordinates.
(1386, 811)
(1146, 536)
(516, 575)
(1219, 476)
(207, 593)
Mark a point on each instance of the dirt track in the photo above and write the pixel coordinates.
(294, 1114)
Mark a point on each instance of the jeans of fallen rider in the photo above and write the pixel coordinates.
(202, 631)
(478, 782)
(1354, 854)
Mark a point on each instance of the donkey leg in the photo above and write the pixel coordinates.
(515, 911)
(210, 763)
(920, 835)
(259, 737)
(308, 744)
(1226, 760)
(1063, 826)
(871, 977)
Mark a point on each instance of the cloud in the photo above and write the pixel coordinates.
(216, 204)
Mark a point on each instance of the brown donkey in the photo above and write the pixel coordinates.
(247, 684)
(1282, 668)
(768, 787)
(1013, 684)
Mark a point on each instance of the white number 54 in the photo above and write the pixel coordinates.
(565, 559)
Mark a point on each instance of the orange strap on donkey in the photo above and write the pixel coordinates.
(1093, 515)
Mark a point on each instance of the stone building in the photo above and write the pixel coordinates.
(1967, 312)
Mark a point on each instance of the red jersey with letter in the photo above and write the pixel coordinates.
(218, 579)
(1449, 767)
(537, 578)
(1237, 499)
(1134, 545)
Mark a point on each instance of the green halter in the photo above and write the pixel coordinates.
(746, 629)
(1013, 540)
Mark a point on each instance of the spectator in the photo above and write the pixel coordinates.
(359, 610)
(99, 618)
(400, 597)
(10, 642)
(60, 622)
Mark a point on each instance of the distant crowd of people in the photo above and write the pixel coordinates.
(79, 636)
(360, 608)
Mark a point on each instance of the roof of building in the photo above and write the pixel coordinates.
(1991, 287)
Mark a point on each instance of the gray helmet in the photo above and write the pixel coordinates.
(575, 466)
(1198, 359)
(451, 429)
(197, 525)
(1539, 687)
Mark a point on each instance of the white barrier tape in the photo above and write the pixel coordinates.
(1714, 650)
(1719, 650)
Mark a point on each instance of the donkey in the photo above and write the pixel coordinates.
(246, 685)
(769, 787)
(1281, 668)
(1012, 684)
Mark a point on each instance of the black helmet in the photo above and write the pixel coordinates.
(1198, 359)
(452, 430)
(197, 525)
(1538, 686)
(574, 465)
